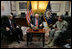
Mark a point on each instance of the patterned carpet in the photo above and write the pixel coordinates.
(22, 44)
(34, 44)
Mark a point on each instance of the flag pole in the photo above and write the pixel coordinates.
(45, 20)
(27, 9)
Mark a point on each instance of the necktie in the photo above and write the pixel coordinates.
(36, 22)
(12, 24)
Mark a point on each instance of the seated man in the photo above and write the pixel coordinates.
(36, 22)
(11, 29)
(59, 27)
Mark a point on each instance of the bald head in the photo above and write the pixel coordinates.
(37, 16)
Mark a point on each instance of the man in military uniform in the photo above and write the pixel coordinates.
(59, 26)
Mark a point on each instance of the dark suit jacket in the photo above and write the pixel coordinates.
(6, 23)
(49, 21)
(39, 22)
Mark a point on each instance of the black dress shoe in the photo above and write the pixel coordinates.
(18, 41)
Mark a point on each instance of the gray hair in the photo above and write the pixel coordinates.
(10, 16)
(49, 12)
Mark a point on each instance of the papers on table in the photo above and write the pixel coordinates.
(24, 29)
(45, 24)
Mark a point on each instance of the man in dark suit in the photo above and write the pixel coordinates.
(11, 28)
(36, 21)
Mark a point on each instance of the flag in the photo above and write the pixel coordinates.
(27, 16)
(30, 9)
(29, 13)
(48, 8)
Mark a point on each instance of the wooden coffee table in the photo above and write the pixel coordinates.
(39, 32)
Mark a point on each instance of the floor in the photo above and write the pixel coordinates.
(22, 44)
(34, 44)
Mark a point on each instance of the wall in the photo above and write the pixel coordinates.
(62, 7)
(5, 8)
(17, 7)
(70, 10)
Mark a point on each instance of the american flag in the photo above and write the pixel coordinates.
(27, 16)
(29, 13)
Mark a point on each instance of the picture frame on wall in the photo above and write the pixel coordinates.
(13, 5)
(55, 7)
(22, 6)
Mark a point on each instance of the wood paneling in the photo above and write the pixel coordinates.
(21, 21)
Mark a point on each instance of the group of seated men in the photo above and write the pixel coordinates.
(59, 26)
